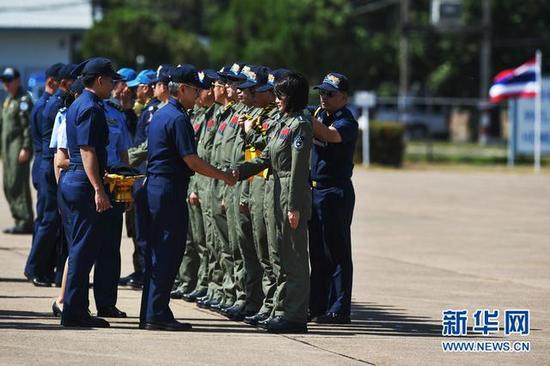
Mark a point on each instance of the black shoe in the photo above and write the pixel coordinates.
(263, 323)
(17, 230)
(110, 312)
(42, 281)
(234, 312)
(254, 319)
(56, 309)
(174, 326)
(176, 294)
(202, 302)
(280, 325)
(332, 318)
(193, 295)
(90, 322)
(135, 280)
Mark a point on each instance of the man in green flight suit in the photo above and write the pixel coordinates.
(15, 140)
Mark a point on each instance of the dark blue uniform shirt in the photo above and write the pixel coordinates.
(36, 118)
(171, 138)
(87, 126)
(53, 106)
(332, 164)
(145, 118)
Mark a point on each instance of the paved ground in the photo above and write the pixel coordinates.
(424, 241)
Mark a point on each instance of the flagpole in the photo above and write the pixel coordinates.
(538, 114)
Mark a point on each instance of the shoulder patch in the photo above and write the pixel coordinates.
(298, 142)
(23, 106)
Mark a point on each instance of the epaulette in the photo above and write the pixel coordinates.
(114, 105)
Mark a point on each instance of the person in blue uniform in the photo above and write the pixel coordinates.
(172, 159)
(50, 88)
(107, 264)
(335, 133)
(47, 252)
(83, 189)
(144, 84)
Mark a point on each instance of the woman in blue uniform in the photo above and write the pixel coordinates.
(172, 159)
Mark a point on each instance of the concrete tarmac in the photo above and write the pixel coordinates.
(424, 241)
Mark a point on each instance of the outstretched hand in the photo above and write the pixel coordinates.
(229, 178)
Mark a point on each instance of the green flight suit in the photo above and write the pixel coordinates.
(260, 207)
(16, 135)
(226, 292)
(287, 156)
(247, 268)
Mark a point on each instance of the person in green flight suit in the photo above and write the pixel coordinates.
(287, 157)
(16, 150)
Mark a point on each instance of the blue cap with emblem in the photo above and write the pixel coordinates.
(232, 73)
(207, 77)
(127, 73)
(334, 82)
(185, 74)
(145, 77)
(97, 66)
(163, 73)
(255, 75)
(53, 70)
(272, 77)
(9, 74)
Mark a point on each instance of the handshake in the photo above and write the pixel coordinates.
(231, 177)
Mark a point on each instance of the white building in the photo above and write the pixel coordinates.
(37, 33)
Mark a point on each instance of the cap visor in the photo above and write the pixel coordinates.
(326, 86)
(264, 88)
(132, 83)
(246, 85)
(117, 76)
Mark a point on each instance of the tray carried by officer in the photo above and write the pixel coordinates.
(120, 179)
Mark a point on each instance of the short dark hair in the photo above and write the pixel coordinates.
(295, 88)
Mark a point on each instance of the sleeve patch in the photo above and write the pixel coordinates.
(298, 142)
(23, 106)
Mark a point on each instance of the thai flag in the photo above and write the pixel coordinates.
(521, 82)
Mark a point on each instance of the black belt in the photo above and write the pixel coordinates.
(329, 183)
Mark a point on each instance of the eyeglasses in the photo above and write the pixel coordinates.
(327, 93)
(280, 96)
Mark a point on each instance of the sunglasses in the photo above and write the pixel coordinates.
(327, 93)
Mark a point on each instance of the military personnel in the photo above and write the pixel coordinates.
(48, 250)
(16, 149)
(287, 157)
(50, 88)
(335, 130)
(83, 189)
(144, 85)
(171, 161)
(193, 274)
(223, 199)
(258, 132)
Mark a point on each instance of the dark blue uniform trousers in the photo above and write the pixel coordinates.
(107, 265)
(330, 249)
(85, 243)
(167, 222)
(43, 257)
(35, 177)
(140, 222)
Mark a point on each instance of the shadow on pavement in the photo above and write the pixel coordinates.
(14, 318)
(7, 279)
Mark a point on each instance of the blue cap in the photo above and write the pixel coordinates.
(67, 72)
(232, 72)
(9, 74)
(207, 78)
(53, 70)
(163, 73)
(334, 82)
(255, 75)
(96, 66)
(145, 77)
(77, 87)
(271, 79)
(185, 74)
(127, 73)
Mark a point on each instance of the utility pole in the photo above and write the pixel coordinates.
(403, 58)
(484, 72)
